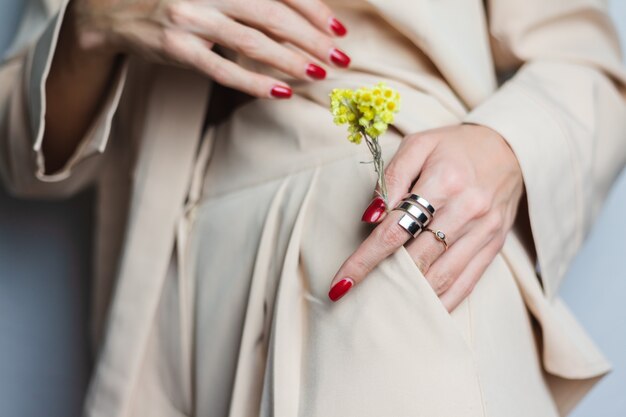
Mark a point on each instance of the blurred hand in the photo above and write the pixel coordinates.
(182, 32)
(472, 178)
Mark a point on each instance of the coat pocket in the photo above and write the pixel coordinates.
(388, 348)
(414, 289)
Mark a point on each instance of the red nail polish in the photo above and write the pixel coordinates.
(315, 71)
(281, 92)
(337, 27)
(339, 58)
(374, 210)
(340, 289)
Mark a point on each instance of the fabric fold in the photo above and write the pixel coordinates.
(286, 347)
(567, 350)
(246, 396)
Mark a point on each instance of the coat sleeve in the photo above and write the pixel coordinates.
(563, 112)
(23, 75)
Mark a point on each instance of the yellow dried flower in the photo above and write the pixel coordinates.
(368, 112)
(370, 109)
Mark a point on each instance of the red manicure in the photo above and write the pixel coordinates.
(281, 92)
(374, 210)
(339, 58)
(315, 71)
(337, 27)
(340, 289)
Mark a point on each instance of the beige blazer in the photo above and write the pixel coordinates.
(547, 75)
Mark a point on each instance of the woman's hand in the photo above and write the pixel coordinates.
(178, 32)
(472, 178)
(182, 32)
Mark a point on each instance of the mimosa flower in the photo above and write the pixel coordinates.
(368, 111)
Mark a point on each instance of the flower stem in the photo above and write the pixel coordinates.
(379, 165)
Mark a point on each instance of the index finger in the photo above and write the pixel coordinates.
(385, 239)
(280, 21)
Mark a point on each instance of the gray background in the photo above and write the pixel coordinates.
(44, 264)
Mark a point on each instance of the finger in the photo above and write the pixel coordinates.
(189, 50)
(450, 265)
(248, 41)
(319, 14)
(457, 217)
(425, 249)
(386, 238)
(464, 284)
(401, 171)
(280, 21)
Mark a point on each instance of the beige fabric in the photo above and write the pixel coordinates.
(221, 310)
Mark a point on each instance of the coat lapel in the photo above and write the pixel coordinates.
(452, 33)
(178, 100)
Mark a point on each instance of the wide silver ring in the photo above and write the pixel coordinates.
(416, 212)
(414, 220)
(421, 201)
(408, 223)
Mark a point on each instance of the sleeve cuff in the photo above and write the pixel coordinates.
(95, 140)
(540, 145)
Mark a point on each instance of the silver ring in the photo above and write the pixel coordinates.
(408, 223)
(421, 201)
(415, 212)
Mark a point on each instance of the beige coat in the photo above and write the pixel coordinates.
(563, 111)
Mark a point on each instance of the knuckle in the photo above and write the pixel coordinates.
(248, 43)
(441, 281)
(415, 141)
(414, 138)
(219, 73)
(500, 240)
(478, 203)
(88, 38)
(280, 15)
(393, 179)
(467, 289)
(421, 264)
(360, 264)
(323, 44)
(170, 42)
(453, 181)
(176, 13)
(213, 68)
(219, 27)
(392, 236)
(322, 11)
(495, 223)
(423, 139)
(293, 63)
(276, 15)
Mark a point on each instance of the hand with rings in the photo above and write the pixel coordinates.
(471, 179)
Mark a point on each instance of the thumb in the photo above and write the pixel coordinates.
(400, 174)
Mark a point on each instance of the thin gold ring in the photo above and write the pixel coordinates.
(440, 236)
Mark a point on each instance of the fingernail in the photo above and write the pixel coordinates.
(339, 58)
(374, 210)
(315, 71)
(337, 27)
(340, 289)
(281, 92)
